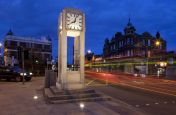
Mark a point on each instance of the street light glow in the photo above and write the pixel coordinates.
(89, 51)
(35, 97)
(157, 43)
(0, 45)
(163, 64)
(82, 105)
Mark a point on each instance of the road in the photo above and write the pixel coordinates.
(154, 96)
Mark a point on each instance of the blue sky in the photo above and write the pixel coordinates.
(103, 18)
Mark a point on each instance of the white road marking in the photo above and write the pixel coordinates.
(173, 101)
(147, 104)
(156, 103)
(90, 82)
(147, 89)
(138, 82)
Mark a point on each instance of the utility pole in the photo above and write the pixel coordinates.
(23, 63)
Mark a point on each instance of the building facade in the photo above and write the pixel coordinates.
(130, 52)
(38, 51)
(131, 44)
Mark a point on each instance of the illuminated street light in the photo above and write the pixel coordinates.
(0, 48)
(81, 105)
(35, 97)
(89, 51)
(157, 43)
(0, 45)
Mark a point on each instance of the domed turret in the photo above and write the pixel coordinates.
(157, 35)
(9, 32)
(129, 29)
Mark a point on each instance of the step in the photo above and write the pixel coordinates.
(47, 92)
(56, 91)
(74, 97)
(67, 97)
(103, 98)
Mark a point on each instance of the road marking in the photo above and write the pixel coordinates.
(173, 101)
(165, 102)
(147, 104)
(146, 89)
(97, 85)
(138, 82)
(90, 82)
(156, 103)
(139, 88)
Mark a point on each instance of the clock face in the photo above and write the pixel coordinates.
(74, 21)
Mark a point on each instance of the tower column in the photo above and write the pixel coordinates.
(82, 51)
(76, 51)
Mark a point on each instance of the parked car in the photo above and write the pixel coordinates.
(15, 73)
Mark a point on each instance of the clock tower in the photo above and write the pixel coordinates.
(71, 24)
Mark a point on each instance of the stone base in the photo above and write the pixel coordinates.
(58, 85)
(70, 86)
(54, 95)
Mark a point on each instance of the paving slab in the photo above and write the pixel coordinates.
(17, 99)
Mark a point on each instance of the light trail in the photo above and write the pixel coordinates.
(123, 63)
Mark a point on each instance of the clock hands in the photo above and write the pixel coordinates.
(74, 19)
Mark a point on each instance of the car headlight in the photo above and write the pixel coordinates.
(23, 74)
(30, 73)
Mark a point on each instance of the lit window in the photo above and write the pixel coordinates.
(128, 41)
(128, 53)
(149, 43)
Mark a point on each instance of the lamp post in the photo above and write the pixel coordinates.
(162, 66)
(157, 44)
(0, 48)
(1, 60)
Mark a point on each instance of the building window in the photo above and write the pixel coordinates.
(128, 52)
(13, 43)
(13, 53)
(38, 46)
(161, 46)
(128, 41)
(121, 43)
(47, 47)
(143, 53)
(23, 44)
(131, 52)
(143, 42)
(132, 42)
(149, 42)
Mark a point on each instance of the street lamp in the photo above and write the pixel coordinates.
(157, 43)
(89, 51)
(36, 61)
(162, 67)
(0, 44)
(0, 48)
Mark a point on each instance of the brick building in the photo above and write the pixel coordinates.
(39, 51)
(133, 53)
